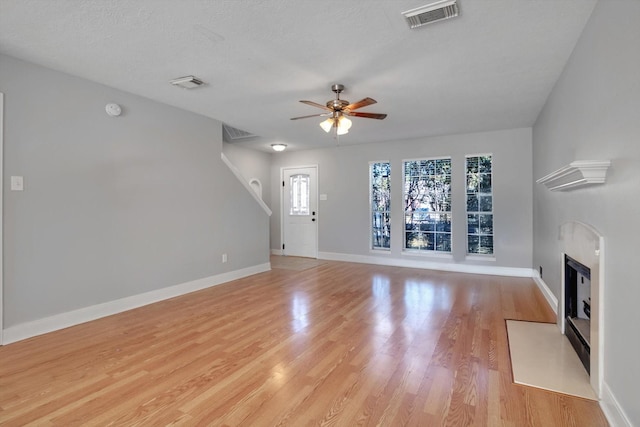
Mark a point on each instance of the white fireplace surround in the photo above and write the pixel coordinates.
(586, 245)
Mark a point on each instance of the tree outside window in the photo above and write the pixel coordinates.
(427, 205)
(479, 204)
(380, 183)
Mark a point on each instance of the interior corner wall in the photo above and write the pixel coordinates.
(251, 164)
(112, 206)
(593, 113)
(343, 175)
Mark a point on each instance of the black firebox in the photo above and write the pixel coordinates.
(577, 308)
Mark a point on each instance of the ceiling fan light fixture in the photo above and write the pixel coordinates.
(327, 125)
(344, 123)
(341, 123)
(338, 110)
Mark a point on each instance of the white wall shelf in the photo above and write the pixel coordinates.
(577, 174)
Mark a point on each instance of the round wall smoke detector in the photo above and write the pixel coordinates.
(113, 110)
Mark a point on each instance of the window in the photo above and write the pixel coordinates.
(380, 176)
(299, 185)
(479, 205)
(427, 205)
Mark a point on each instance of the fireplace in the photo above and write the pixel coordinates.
(580, 309)
(577, 308)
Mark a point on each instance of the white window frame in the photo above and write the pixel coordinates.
(371, 247)
(471, 255)
(428, 252)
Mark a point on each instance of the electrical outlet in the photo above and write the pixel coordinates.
(224, 257)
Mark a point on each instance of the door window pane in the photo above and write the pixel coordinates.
(299, 193)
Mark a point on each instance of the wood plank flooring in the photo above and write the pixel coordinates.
(337, 344)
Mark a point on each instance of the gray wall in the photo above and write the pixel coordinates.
(112, 207)
(251, 164)
(593, 113)
(343, 174)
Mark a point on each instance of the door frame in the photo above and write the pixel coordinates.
(282, 172)
(1, 217)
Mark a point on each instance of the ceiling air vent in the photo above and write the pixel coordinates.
(434, 12)
(187, 82)
(232, 134)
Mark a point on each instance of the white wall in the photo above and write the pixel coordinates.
(112, 207)
(251, 164)
(593, 113)
(343, 174)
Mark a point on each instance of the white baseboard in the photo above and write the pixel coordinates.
(612, 409)
(429, 265)
(548, 295)
(86, 314)
(276, 251)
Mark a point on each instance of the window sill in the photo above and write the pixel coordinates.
(380, 251)
(447, 255)
(476, 257)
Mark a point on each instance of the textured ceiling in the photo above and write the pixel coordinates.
(490, 68)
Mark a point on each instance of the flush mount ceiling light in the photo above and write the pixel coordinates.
(278, 147)
(187, 82)
(338, 110)
(434, 12)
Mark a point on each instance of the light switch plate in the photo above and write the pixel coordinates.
(17, 183)
(323, 197)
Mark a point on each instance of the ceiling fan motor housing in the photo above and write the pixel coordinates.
(337, 104)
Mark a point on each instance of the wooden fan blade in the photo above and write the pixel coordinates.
(360, 104)
(366, 115)
(312, 115)
(315, 104)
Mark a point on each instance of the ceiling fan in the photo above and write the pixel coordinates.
(338, 110)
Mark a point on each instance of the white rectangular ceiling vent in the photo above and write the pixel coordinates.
(232, 134)
(434, 12)
(187, 82)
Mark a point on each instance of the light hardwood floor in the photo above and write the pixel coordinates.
(336, 344)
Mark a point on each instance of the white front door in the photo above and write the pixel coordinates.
(300, 212)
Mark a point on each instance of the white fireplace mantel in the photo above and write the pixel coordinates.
(577, 174)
